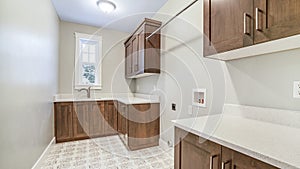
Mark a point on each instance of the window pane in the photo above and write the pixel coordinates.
(84, 47)
(88, 74)
(92, 57)
(85, 57)
(92, 48)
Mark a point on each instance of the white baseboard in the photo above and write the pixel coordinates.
(43, 155)
(163, 144)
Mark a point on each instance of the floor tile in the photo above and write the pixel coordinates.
(106, 153)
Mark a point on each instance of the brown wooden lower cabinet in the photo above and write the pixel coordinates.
(111, 118)
(82, 120)
(234, 160)
(138, 125)
(96, 119)
(194, 152)
(63, 121)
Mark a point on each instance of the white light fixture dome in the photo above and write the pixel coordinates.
(106, 6)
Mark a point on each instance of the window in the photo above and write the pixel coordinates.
(88, 61)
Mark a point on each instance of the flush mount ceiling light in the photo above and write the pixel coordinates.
(106, 6)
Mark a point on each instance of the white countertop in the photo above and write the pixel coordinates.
(139, 99)
(136, 100)
(275, 144)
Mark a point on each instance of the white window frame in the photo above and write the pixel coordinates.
(78, 63)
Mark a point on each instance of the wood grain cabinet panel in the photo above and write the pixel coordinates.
(276, 19)
(63, 118)
(233, 24)
(128, 59)
(81, 120)
(227, 25)
(191, 152)
(138, 125)
(194, 152)
(123, 122)
(143, 125)
(234, 160)
(111, 118)
(96, 119)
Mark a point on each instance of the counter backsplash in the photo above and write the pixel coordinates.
(277, 116)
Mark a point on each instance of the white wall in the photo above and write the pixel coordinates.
(113, 76)
(183, 68)
(28, 78)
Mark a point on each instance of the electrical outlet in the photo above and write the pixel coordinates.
(173, 106)
(296, 91)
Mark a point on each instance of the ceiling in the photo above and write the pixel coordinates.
(126, 17)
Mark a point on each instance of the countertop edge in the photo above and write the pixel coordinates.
(108, 99)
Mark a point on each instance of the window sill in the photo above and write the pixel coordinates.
(93, 87)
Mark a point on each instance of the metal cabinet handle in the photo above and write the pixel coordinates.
(211, 161)
(257, 10)
(224, 163)
(245, 24)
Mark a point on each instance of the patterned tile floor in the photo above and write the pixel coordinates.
(106, 153)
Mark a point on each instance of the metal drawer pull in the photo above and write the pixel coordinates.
(211, 161)
(224, 163)
(245, 24)
(257, 10)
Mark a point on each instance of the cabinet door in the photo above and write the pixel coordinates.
(192, 152)
(235, 160)
(63, 121)
(276, 19)
(135, 54)
(122, 119)
(143, 125)
(96, 120)
(111, 117)
(141, 51)
(128, 59)
(81, 120)
(228, 24)
(152, 52)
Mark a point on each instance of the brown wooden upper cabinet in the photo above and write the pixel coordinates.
(142, 56)
(233, 24)
(276, 19)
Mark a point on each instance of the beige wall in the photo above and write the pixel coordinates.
(264, 81)
(113, 58)
(28, 78)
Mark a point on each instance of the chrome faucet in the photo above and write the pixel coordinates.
(88, 91)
